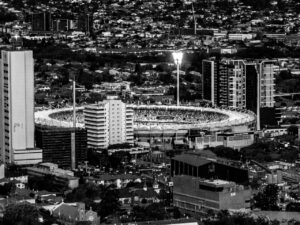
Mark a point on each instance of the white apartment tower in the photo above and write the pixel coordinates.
(108, 122)
(267, 83)
(224, 82)
(17, 108)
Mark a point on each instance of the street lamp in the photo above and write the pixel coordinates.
(177, 56)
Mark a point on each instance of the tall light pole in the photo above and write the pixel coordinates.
(195, 21)
(73, 141)
(177, 56)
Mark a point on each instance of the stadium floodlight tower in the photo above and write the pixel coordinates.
(177, 56)
(73, 133)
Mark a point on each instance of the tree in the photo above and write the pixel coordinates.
(293, 207)
(83, 223)
(255, 184)
(166, 78)
(85, 193)
(40, 98)
(7, 188)
(110, 202)
(227, 152)
(46, 182)
(65, 76)
(293, 130)
(6, 16)
(224, 218)
(165, 197)
(176, 213)
(153, 211)
(94, 97)
(267, 199)
(18, 4)
(21, 214)
(148, 28)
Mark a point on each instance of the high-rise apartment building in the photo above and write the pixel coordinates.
(108, 122)
(267, 83)
(224, 82)
(17, 108)
(239, 83)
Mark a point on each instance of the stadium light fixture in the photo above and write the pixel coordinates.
(177, 56)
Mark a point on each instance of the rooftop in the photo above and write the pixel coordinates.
(192, 160)
(217, 182)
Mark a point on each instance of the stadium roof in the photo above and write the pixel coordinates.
(234, 117)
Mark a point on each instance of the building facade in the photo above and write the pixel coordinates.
(61, 178)
(224, 82)
(17, 108)
(108, 122)
(56, 144)
(41, 22)
(208, 166)
(195, 195)
(240, 84)
(227, 139)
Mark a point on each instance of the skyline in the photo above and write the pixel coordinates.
(157, 112)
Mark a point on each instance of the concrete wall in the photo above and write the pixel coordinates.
(189, 195)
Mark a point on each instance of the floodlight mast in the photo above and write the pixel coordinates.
(177, 56)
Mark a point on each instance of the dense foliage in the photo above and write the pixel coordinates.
(224, 218)
(267, 199)
(21, 213)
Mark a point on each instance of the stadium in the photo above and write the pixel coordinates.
(155, 122)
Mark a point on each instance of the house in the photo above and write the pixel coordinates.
(61, 177)
(48, 197)
(139, 196)
(120, 180)
(69, 213)
(145, 196)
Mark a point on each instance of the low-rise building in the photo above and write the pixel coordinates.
(70, 213)
(61, 177)
(120, 180)
(196, 195)
(206, 165)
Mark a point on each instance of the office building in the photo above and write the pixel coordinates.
(207, 166)
(56, 144)
(85, 23)
(60, 25)
(41, 22)
(195, 195)
(108, 122)
(61, 178)
(240, 84)
(235, 140)
(17, 109)
(63, 25)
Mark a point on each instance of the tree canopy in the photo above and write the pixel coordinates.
(267, 199)
(21, 214)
